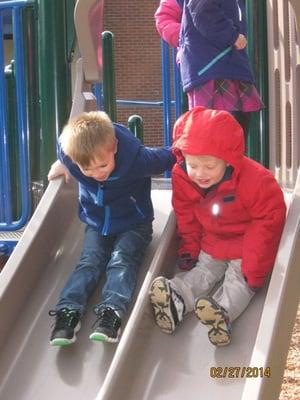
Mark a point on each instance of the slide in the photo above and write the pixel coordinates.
(146, 364)
(31, 369)
(149, 364)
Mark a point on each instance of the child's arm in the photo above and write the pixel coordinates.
(188, 227)
(266, 206)
(58, 169)
(153, 161)
(168, 21)
(212, 23)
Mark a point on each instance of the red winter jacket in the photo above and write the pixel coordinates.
(251, 204)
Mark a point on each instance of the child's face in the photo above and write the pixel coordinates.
(205, 171)
(101, 165)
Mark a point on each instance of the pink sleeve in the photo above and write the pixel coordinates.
(168, 20)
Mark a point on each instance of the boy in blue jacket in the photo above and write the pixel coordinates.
(113, 170)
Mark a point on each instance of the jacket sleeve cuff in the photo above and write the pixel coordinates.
(255, 282)
(193, 253)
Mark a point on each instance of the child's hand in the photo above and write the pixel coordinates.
(241, 42)
(186, 262)
(253, 288)
(58, 169)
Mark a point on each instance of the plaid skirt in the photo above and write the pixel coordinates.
(225, 94)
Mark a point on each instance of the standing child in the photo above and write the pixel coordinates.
(168, 21)
(230, 214)
(214, 65)
(113, 170)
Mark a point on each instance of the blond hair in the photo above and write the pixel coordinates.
(86, 134)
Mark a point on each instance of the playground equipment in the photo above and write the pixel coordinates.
(32, 103)
(146, 364)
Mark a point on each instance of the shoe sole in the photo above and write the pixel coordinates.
(64, 341)
(101, 337)
(160, 298)
(213, 318)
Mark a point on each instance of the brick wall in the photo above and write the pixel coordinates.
(137, 61)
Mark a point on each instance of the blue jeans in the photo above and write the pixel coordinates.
(118, 256)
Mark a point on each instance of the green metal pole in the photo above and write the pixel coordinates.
(13, 139)
(71, 31)
(30, 41)
(109, 91)
(253, 137)
(136, 126)
(263, 82)
(257, 50)
(54, 78)
(184, 102)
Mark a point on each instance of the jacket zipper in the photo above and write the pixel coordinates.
(137, 207)
(99, 200)
(106, 220)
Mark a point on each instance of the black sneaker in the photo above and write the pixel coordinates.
(168, 305)
(107, 326)
(67, 324)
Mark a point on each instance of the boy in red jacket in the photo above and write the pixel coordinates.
(230, 215)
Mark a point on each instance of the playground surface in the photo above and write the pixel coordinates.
(290, 389)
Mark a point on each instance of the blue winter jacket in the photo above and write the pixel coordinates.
(208, 27)
(123, 200)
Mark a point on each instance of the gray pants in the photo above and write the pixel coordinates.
(233, 294)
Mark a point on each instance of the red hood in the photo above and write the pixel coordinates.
(201, 131)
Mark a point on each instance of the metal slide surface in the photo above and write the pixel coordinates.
(160, 366)
(146, 364)
(178, 366)
(31, 369)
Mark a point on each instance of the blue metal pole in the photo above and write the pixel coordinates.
(177, 85)
(13, 4)
(9, 225)
(97, 89)
(166, 93)
(21, 115)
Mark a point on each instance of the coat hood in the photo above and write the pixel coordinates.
(202, 131)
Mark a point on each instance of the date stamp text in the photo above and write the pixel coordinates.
(240, 372)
